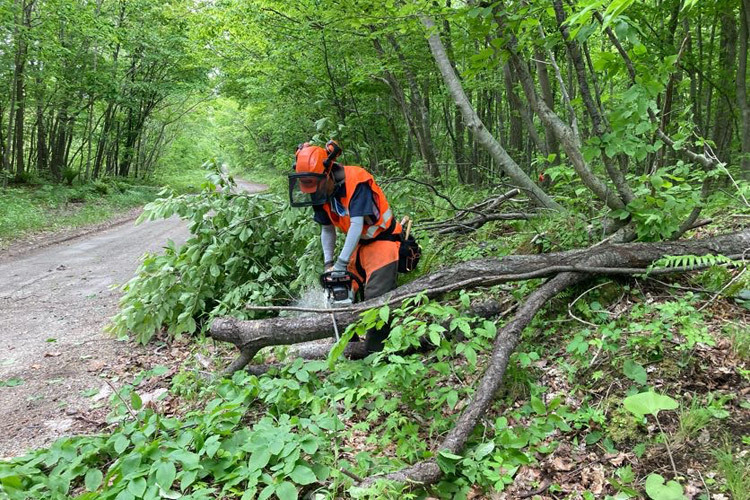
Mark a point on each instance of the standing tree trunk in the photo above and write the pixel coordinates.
(515, 135)
(41, 133)
(743, 105)
(722, 132)
(59, 144)
(478, 129)
(541, 68)
(459, 154)
(20, 83)
(421, 112)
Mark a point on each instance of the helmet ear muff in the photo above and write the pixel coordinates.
(334, 151)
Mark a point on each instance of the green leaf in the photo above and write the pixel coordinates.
(593, 437)
(135, 401)
(211, 446)
(447, 461)
(634, 372)
(165, 475)
(339, 348)
(93, 479)
(483, 450)
(452, 399)
(259, 459)
(648, 403)
(302, 475)
(125, 495)
(538, 406)
(137, 486)
(384, 312)
(286, 491)
(657, 490)
(309, 445)
(121, 443)
(434, 337)
(188, 478)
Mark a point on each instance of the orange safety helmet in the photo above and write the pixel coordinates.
(312, 167)
(310, 160)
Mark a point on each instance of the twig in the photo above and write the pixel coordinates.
(712, 299)
(680, 287)
(708, 493)
(130, 410)
(545, 484)
(497, 279)
(352, 475)
(666, 442)
(570, 306)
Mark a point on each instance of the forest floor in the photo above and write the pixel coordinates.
(58, 292)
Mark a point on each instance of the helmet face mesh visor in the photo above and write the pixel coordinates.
(307, 189)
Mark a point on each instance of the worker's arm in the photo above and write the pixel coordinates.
(352, 238)
(328, 242)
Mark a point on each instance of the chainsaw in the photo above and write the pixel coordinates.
(338, 287)
(339, 292)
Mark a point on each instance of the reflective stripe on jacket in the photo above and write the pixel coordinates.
(353, 177)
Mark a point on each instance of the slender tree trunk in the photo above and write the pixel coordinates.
(597, 120)
(41, 133)
(338, 104)
(722, 131)
(553, 146)
(742, 101)
(397, 93)
(420, 111)
(510, 167)
(57, 164)
(20, 83)
(101, 146)
(515, 134)
(459, 153)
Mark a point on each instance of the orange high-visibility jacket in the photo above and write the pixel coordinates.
(353, 177)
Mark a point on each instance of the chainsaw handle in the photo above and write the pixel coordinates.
(333, 277)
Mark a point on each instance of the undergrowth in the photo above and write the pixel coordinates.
(43, 206)
(620, 388)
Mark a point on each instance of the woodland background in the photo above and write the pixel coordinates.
(616, 121)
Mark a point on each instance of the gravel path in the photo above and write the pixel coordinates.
(54, 303)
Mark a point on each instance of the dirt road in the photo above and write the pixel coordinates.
(54, 303)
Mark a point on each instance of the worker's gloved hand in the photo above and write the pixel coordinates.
(340, 265)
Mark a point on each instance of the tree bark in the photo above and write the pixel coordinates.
(480, 132)
(544, 83)
(633, 258)
(515, 135)
(742, 101)
(722, 131)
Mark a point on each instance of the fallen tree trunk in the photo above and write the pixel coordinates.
(251, 336)
(428, 471)
(570, 268)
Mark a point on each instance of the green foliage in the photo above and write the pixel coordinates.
(657, 489)
(733, 469)
(205, 453)
(690, 261)
(648, 403)
(244, 249)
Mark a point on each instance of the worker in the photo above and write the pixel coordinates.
(347, 198)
